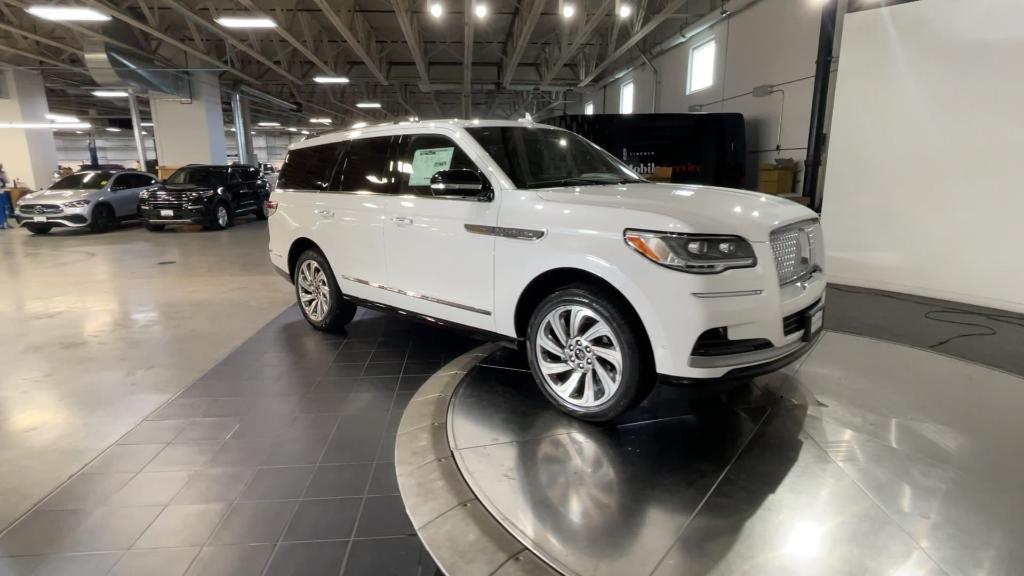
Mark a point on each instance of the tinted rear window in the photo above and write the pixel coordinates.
(309, 168)
(366, 166)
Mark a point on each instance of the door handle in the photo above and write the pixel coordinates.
(325, 214)
(402, 221)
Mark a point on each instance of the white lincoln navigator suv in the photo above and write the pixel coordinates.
(533, 233)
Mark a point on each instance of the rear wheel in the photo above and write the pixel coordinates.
(588, 352)
(103, 218)
(155, 227)
(318, 294)
(39, 228)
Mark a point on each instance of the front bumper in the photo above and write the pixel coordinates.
(178, 213)
(66, 218)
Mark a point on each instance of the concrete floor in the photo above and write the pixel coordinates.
(97, 331)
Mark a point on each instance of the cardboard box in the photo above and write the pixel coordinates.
(775, 179)
(661, 174)
(163, 172)
(16, 194)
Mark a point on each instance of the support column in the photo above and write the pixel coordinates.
(27, 154)
(140, 146)
(190, 131)
(243, 128)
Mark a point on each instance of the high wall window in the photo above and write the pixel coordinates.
(626, 98)
(702, 67)
(588, 108)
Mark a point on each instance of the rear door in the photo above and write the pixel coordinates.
(124, 193)
(437, 267)
(241, 198)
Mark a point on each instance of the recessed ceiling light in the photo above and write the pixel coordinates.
(568, 10)
(480, 10)
(67, 14)
(269, 124)
(112, 129)
(110, 93)
(436, 9)
(320, 120)
(368, 105)
(359, 125)
(61, 118)
(330, 79)
(246, 22)
(625, 10)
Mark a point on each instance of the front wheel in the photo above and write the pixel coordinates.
(39, 229)
(318, 294)
(220, 217)
(103, 219)
(588, 353)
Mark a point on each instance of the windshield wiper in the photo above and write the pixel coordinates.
(568, 182)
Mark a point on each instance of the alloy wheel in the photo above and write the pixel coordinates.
(222, 216)
(314, 290)
(579, 356)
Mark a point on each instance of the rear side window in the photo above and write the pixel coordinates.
(365, 167)
(422, 155)
(309, 168)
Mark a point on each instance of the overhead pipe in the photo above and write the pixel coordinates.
(685, 34)
(819, 102)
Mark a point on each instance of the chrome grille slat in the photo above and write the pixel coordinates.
(794, 260)
(46, 208)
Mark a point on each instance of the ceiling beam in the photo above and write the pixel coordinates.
(581, 38)
(522, 28)
(360, 38)
(305, 51)
(412, 38)
(238, 44)
(653, 23)
(42, 58)
(42, 39)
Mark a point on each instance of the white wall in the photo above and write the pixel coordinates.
(28, 155)
(923, 190)
(771, 42)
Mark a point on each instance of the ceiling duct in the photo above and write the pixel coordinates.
(118, 67)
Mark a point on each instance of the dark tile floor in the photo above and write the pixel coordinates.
(278, 461)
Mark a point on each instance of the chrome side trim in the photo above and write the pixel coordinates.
(501, 232)
(755, 357)
(728, 294)
(418, 295)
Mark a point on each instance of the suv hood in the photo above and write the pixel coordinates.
(59, 196)
(698, 209)
(188, 187)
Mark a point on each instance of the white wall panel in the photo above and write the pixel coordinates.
(922, 192)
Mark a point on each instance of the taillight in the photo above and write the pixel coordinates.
(271, 207)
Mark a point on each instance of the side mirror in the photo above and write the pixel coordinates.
(461, 183)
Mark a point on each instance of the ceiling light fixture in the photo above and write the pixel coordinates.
(269, 124)
(47, 125)
(304, 132)
(61, 118)
(67, 14)
(110, 93)
(568, 10)
(436, 9)
(320, 120)
(293, 129)
(112, 129)
(625, 10)
(246, 22)
(145, 124)
(359, 125)
(480, 10)
(330, 79)
(368, 105)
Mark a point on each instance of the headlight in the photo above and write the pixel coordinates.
(202, 194)
(77, 204)
(144, 194)
(694, 253)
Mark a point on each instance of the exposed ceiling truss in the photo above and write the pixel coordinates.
(523, 56)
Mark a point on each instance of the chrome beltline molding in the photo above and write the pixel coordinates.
(502, 232)
(418, 295)
(728, 294)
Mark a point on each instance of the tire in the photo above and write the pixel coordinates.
(39, 229)
(590, 387)
(262, 213)
(327, 310)
(220, 216)
(103, 219)
(155, 227)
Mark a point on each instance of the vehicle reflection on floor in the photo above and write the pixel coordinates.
(769, 478)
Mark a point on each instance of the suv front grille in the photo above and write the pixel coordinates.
(31, 209)
(797, 250)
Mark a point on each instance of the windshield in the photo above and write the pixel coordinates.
(83, 181)
(542, 158)
(200, 175)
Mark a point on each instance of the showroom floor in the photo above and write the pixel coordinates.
(100, 330)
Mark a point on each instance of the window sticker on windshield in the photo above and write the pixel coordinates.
(103, 182)
(427, 161)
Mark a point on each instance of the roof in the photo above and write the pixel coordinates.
(389, 128)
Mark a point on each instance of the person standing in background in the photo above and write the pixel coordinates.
(3, 177)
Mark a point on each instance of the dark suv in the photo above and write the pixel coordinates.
(207, 195)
